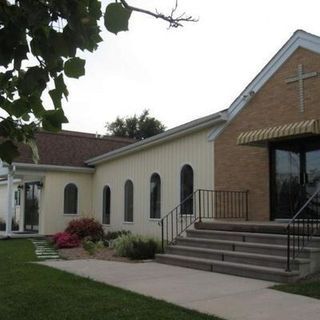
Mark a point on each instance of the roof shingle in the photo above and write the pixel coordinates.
(69, 148)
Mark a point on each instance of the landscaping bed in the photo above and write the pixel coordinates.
(101, 254)
(84, 238)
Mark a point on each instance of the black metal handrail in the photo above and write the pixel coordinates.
(203, 204)
(304, 225)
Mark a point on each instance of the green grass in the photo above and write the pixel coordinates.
(307, 288)
(32, 292)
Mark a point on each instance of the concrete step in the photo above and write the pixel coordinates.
(269, 238)
(238, 269)
(249, 247)
(244, 226)
(302, 265)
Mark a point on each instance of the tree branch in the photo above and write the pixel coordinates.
(174, 21)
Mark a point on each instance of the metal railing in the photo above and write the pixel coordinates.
(203, 204)
(302, 228)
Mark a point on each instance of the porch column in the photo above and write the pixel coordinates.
(10, 201)
(21, 221)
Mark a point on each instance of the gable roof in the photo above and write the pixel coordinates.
(300, 39)
(69, 148)
(78, 149)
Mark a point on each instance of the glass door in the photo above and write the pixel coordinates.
(286, 186)
(31, 207)
(295, 175)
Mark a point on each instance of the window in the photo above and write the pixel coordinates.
(155, 196)
(128, 201)
(186, 189)
(106, 205)
(70, 199)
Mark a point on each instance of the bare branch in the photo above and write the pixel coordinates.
(175, 21)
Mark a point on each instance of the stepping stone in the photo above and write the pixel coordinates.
(44, 251)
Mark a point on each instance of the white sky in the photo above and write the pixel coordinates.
(186, 73)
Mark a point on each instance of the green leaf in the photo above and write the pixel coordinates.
(61, 86)
(20, 54)
(8, 151)
(35, 80)
(56, 97)
(74, 68)
(116, 18)
(36, 105)
(20, 107)
(53, 119)
(56, 94)
(95, 8)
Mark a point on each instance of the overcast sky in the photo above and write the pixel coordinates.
(186, 73)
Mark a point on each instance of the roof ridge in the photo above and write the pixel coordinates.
(87, 135)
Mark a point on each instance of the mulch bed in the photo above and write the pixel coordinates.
(101, 254)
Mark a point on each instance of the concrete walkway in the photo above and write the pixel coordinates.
(229, 297)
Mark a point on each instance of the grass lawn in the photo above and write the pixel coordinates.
(32, 292)
(307, 288)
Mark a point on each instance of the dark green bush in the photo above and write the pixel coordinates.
(111, 235)
(142, 249)
(136, 247)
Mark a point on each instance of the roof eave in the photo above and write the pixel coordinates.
(49, 167)
(173, 133)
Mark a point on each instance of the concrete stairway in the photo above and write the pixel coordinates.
(243, 249)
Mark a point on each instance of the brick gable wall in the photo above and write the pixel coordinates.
(277, 103)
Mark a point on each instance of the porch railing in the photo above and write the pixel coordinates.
(303, 227)
(203, 204)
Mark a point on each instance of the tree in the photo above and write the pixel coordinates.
(140, 128)
(40, 43)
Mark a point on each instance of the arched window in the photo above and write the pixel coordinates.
(106, 196)
(186, 189)
(155, 196)
(128, 201)
(70, 199)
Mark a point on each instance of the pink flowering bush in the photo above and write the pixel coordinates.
(66, 240)
(86, 228)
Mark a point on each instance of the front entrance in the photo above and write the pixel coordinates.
(295, 175)
(31, 206)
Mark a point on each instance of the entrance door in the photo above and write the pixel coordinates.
(31, 207)
(295, 175)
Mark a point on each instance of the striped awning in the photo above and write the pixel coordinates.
(297, 129)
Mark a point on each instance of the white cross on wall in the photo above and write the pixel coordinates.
(300, 77)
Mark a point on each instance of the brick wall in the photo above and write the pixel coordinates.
(277, 103)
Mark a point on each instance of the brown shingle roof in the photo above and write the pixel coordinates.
(69, 148)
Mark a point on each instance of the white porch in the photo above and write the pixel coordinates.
(14, 186)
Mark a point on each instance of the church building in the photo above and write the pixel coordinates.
(263, 151)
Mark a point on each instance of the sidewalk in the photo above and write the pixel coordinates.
(229, 297)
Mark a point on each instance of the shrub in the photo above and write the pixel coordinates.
(86, 227)
(66, 240)
(143, 249)
(91, 247)
(122, 244)
(136, 247)
(110, 236)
